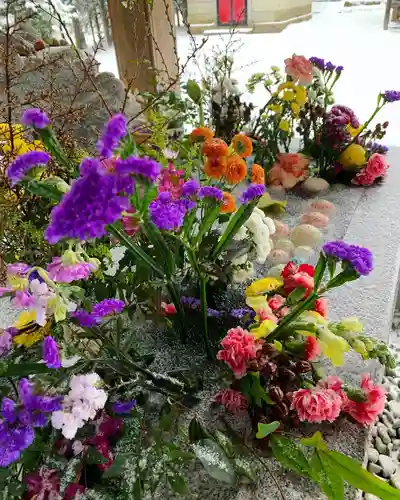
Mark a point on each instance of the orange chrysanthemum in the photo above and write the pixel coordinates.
(242, 145)
(215, 147)
(201, 134)
(215, 166)
(236, 169)
(257, 174)
(228, 204)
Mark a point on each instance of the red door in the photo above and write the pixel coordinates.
(232, 12)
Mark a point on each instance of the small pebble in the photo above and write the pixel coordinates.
(314, 185)
(389, 466)
(395, 480)
(396, 444)
(390, 448)
(373, 455)
(380, 446)
(386, 421)
(383, 433)
(316, 219)
(306, 235)
(394, 407)
(388, 415)
(323, 206)
(369, 496)
(374, 431)
(392, 433)
(284, 244)
(396, 423)
(278, 257)
(375, 468)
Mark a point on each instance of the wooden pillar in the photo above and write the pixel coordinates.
(144, 41)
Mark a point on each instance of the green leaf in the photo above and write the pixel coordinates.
(215, 461)
(44, 190)
(23, 369)
(315, 441)
(194, 91)
(117, 467)
(352, 472)
(329, 482)
(257, 392)
(319, 270)
(245, 467)
(224, 441)
(265, 430)
(197, 431)
(178, 484)
(4, 473)
(296, 296)
(332, 262)
(289, 454)
(95, 457)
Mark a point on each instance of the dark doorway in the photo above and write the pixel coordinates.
(232, 12)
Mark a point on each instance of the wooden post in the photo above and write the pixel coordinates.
(144, 41)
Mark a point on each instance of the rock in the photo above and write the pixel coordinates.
(278, 257)
(323, 206)
(375, 468)
(316, 219)
(380, 445)
(383, 433)
(374, 432)
(389, 466)
(306, 235)
(373, 455)
(390, 448)
(395, 480)
(284, 244)
(386, 421)
(396, 444)
(394, 407)
(275, 271)
(369, 496)
(303, 253)
(389, 416)
(393, 394)
(281, 229)
(314, 185)
(392, 432)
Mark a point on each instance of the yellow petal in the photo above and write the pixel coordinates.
(332, 346)
(278, 346)
(284, 125)
(24, 319)
(262, 286)
(257, 302)
(305, 333)
(264, 329)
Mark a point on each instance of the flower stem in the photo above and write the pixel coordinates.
(203, 304)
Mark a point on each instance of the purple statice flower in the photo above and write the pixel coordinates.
(93, 201)
(210, 192)
(5, 342)
(51, 353)
(107, 307)
(114, 130)
(213, 313)
(145, 167)
(330, 66)
(336, 122)
(67, 273)
(391, 95)
(252, 192)
(121, 407)
(318, 62)
(24, 163)
(84, 318)
(34, 117)
(376, 147)
(359, 258)
(168, 214)
(339, 69)
(190, 188)
(190, 302)
(240, 312)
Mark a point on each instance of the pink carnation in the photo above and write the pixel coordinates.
(376, 165)
(365, 412)
(321, 306)
(264, 315)
(295, 277)
(67, 273)
(276, 301)
(335, 384)
(239, 347)
(300, 69)
(312, 349)
(317, 405)
(234, 401)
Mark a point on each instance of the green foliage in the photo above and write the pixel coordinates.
(265, 430)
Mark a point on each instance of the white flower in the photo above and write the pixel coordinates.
(241, 275)
(67, 423)
(77, 447)
(68, 362)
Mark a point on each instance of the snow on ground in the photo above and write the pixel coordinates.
(352, 37)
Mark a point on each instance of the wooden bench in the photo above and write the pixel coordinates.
(391, 4)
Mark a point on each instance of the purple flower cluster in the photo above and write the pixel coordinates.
(194, 304)
(84, 318)
(391, 95)
(319, 63)
(34, 117)
(336, 122)
(168, 214)
(145, 167)
(114, 130)
(190, 188)
(359, 258)
(107, 307)
(210, 192)
(375, 147)
(24, 163)
(240, 312)
(17, 426)
(123, 407)
(252, 192)
(51, 354)
(94, 200)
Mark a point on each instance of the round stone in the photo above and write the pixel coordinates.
(284, 244)
(396, 423)
(374, 432)
(395, 480)
(314, 185)
(388, 465)
(316, 219)
(373, 455)
(278, 257)
(374, 468)
(396, 444)
(323, 206)
(306, 235)
(303, 253)
(275, 271)
(281, 229)
(383, 433)
(394, 407)
(380, 445)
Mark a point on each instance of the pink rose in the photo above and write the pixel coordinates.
(234, 401)
(316, 405)
(376, 166)
(321, 306)
(365, 412)
(239, 347)
(300, 69)
(312, 349)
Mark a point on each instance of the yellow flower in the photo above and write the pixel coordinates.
(288, 95)
(28, 339)
(352, 325)
(295, 108)
(286, 85)
(275, 108)
(262, 286)
(301, 95)
(284, 125)
(17, 283)
(59, 308)
(258, 302)
(354, 131)
(332, 346)
(264, 329)
(5, 134)
(24, 319)
(353, 155)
